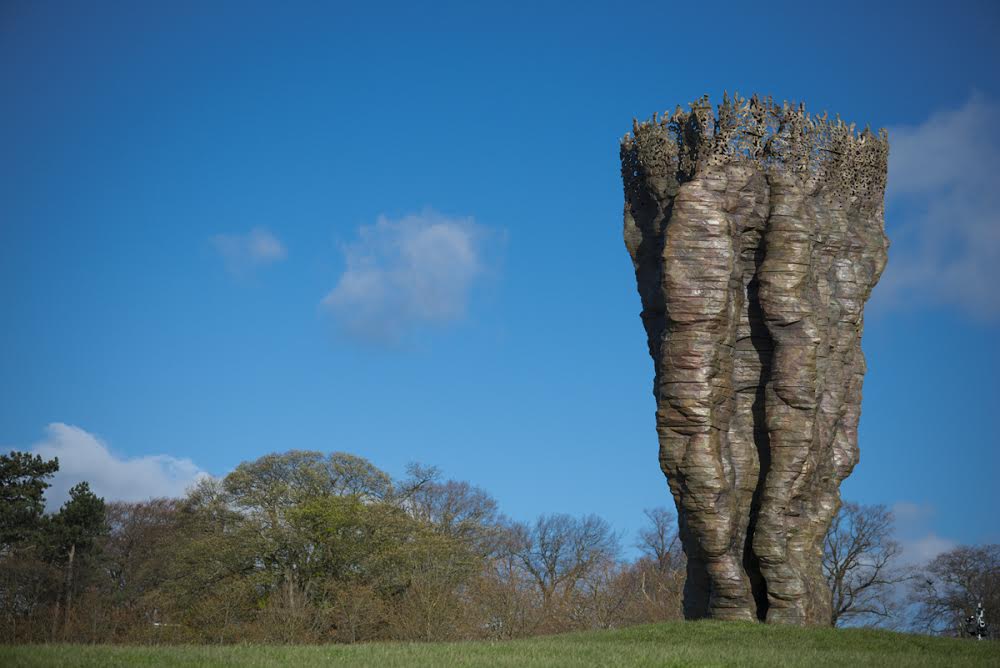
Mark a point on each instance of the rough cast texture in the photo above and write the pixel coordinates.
(757, 236)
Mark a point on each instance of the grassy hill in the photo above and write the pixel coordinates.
(675, 644)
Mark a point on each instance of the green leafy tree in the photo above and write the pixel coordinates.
(210, 586)
(273, 483)
(353, 475)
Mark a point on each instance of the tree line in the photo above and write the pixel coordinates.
(300, 547)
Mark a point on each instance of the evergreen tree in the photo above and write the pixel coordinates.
(73, 534)
(23, 481)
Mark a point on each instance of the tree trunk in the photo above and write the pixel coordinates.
(55, 619)
(756, 239)
(68, 587)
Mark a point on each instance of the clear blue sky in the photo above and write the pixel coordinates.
(190, 195)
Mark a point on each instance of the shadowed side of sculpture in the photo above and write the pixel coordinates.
(756, 234)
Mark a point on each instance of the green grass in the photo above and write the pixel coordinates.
(675, 644)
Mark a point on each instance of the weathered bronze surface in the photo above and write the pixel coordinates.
(757, 236)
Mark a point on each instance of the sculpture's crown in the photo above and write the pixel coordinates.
(824, 152)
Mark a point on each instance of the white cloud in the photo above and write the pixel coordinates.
(243, 253)
(944, 190)
(407, 272)
(84, 457)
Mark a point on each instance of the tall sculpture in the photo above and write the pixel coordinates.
(757, 236)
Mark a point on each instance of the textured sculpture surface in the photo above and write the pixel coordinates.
(757, 236)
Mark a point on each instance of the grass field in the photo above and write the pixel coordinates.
(675, 644)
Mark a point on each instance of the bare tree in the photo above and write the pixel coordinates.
(135, 555)
(559, 551)
(659, 540)
(456, 508)
(859, 562)
(660, 573)
(607, 594)
(950, 587)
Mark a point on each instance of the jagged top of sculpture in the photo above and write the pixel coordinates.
(825, 153)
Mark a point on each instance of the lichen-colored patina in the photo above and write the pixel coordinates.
(757, 235)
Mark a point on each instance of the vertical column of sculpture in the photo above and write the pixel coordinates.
(756, 237)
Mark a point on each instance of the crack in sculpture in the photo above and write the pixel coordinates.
(757, 236)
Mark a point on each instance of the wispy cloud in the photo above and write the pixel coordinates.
(242, 253)
(85, 457)
(919, 542)
(923, 549)
(944, 212)
(404, 273)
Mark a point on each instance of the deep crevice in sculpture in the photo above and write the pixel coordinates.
(761, 341)
(756, 236)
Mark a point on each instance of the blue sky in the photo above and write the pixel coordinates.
(228, 229)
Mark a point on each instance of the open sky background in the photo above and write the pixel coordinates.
(228, 229)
